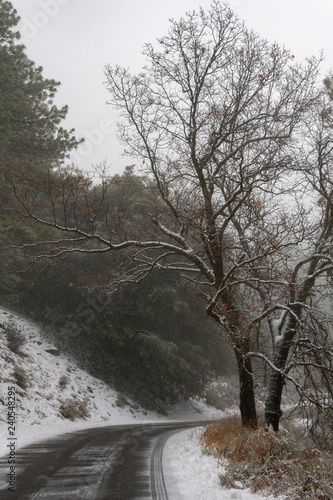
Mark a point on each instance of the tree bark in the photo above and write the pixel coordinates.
(247, 397)
(273, 412)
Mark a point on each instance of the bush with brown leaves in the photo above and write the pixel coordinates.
(269, 462)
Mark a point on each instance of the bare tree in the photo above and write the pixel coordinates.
(294, 282)
(213, 117)
(300, 321)
(216, 120)
(310, 369)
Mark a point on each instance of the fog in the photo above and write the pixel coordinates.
(74, 39)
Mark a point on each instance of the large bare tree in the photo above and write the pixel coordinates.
(214, 116)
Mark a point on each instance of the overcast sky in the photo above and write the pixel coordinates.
(74, 39)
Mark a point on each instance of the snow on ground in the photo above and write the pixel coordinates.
(191, 475)
(38, 406)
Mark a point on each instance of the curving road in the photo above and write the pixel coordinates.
(107, 463)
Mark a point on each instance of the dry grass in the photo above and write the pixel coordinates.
(269, 462)
(21, 377)
(121, 400)
(15, 339)
(74, 408)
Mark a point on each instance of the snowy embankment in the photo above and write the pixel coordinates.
(48, 383)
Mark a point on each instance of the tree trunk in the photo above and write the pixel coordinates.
(247, 398)
(273, 410)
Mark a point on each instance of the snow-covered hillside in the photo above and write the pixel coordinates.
(49, 386)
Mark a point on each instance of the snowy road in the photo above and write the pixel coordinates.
(114, 463)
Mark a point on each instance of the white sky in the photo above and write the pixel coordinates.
(74, 39)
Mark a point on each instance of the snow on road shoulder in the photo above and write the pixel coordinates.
(191, 475)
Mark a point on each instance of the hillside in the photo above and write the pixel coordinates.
(53, 395)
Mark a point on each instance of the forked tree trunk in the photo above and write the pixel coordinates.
(246, 395)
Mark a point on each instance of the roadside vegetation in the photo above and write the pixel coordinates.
(268, 462)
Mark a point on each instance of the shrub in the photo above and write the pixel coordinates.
(121, 400)
(269, 462)
(21, 377)
(73, 408)
(223, 393)
(63, 381)
(15, 339)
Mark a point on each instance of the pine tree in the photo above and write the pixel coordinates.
(31, 137)
(32, 141)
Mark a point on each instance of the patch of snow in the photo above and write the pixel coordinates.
(189, 474)
(38, 406)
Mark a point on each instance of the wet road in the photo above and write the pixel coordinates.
(108, 463)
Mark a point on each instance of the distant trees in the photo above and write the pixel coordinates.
(149, 340)
(235, 137)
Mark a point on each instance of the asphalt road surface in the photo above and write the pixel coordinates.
(108, 463)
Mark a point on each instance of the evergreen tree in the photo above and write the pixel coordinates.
(32, 141)
(30, 133)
